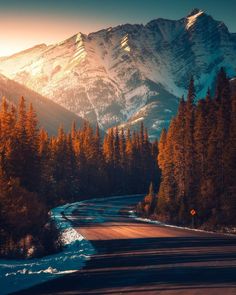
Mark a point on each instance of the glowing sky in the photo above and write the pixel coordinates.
(25, 23)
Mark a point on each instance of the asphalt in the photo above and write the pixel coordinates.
(134, 257)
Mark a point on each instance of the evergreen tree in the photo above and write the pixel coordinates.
(162, 144)
(20, 151)
(32, 145)
(189, 144)
(166, 196)
(179, 150)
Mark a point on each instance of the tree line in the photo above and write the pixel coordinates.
(38, 172)
(197, 157)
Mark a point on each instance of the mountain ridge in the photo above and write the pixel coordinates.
(105, 76)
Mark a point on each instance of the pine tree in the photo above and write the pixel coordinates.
(60, 164)
(122, 148)
(189, 144)
(5, 121)
(20, 150)
(32, 146)
(221, 82)
(229, 203)
(71, 179)
(166, 206)
(151, 190)
(116, 148)
(46, 182)
(6, 138)
(162, 144)
(179, 150)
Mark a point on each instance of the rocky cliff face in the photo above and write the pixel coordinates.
(128, 73)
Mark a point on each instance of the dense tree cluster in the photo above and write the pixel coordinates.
(82, 164)
(130, 161)
(38, 172)
(24, 221)
(197, 159)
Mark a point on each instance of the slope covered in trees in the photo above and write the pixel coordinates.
(197, 157)
(38, 172)
(50, 114)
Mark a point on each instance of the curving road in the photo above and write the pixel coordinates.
(134, 257)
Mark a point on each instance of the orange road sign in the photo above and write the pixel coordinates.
(193, 212)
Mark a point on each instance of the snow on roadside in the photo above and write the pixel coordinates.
(20, 274)
(133, 215)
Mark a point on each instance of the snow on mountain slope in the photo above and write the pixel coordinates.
(156, 113)
(110, 76)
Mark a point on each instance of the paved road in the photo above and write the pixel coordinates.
(134, 257)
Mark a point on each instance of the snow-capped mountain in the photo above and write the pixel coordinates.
(128, 73)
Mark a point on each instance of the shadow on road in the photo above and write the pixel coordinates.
(150, 263)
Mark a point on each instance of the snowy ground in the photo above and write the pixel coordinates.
(20, 274)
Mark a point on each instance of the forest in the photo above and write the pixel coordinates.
(38, 172)
(192, 167)
(197, 157)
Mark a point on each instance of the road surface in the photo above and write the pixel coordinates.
(134, 257)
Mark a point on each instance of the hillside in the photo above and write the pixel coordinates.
(50, 114)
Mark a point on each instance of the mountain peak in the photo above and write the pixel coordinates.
(192, 17)
(194, 12)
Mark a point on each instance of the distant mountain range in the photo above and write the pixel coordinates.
(50, 114)
(129, 73)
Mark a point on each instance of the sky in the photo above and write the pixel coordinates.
(25, 23)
